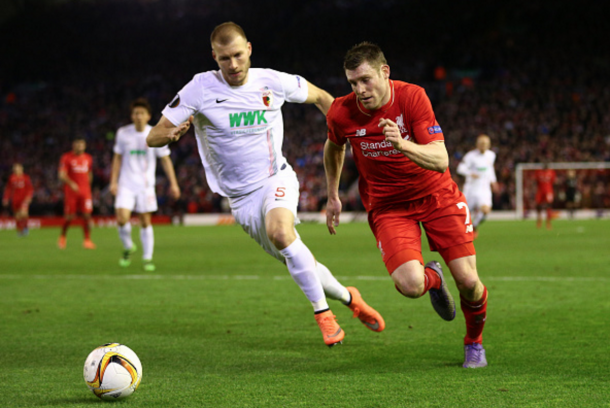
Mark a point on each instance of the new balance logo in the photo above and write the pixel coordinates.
(360, 132)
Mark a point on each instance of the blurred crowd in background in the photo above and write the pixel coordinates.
(537, 87)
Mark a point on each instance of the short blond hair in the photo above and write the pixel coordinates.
(224, 33)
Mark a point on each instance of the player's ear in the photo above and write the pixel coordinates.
(213, 55)
(249, 44)
(385, 71)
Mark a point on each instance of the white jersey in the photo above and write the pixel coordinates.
(239, 129)
(138, 161)
(481, 165)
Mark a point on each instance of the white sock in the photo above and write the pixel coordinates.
(125, 235)
(332, 288)
(148, 242)
(302, 267)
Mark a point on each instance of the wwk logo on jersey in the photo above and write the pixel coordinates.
(249, 118)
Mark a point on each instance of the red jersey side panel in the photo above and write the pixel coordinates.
(386, 174)
(77, 168)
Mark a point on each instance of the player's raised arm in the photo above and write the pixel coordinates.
(431, 156)
(165, 132)
(334, 156)
(319, 97)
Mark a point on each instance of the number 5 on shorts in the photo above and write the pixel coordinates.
(280, 192)
(469, 227)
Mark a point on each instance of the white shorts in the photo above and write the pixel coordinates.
(279, 191)
(478, 198)
(143, 201)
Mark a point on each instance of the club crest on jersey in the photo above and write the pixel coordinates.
(400, 122)
(175, 102)
(267, 96)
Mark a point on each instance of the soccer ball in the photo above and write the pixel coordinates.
(112, 371)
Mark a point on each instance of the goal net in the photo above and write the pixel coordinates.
(586, 185)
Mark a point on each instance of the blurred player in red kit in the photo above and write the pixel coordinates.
(19, 191)
(545, 178)
(75, 171)
(399, 150)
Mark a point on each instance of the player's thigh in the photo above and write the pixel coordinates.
(448, 222)
(281, 198)
(146, 201)
(122, 215)
(398, 236)
(125, 198)
(85, 205)
(145, 219)
(70, 204)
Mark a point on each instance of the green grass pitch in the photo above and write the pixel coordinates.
(221, 324)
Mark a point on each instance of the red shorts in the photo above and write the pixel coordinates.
(445, 218)
(543, 197)
(19, 205)
(77, 203)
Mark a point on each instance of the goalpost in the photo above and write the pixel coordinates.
(523, 168)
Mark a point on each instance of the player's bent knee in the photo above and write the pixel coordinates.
(410, 285)
(468, 284)
(281, 237)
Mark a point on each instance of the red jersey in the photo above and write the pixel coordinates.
(545, 180)
(77, 168)
(18, 188)
(387, 175)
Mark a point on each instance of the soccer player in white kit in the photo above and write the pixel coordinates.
(132, 181)
(478, 168)
(236, 112)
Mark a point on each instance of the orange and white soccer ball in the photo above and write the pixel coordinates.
(112, 371)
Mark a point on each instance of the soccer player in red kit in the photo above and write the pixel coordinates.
(399, 150)
(75, 172)
(545, 178)
(19, 191)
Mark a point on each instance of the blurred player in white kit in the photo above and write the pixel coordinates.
(133, 181)
(478, 168)
(236, 112)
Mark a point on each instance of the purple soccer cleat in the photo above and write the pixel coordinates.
(474, 356)
(441, 298)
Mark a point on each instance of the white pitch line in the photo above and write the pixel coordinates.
(288, 277)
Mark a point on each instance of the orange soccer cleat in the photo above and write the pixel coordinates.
(61, 242)
(331, 331)
(88, 244)
(367, 315)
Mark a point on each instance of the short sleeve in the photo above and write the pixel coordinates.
(334, 133)
(186, 103)
(425, 127)
(162, 151)
(295, 87)
(118, 146)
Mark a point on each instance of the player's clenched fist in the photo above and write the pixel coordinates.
(177, 132)
(391, 133)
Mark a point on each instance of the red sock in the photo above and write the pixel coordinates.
(87, 230)
(64, 228)
(549, 214)
(475, 314)
(431, 280)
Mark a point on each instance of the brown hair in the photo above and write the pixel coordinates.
(224, 33)
(364, 52)
(140, 103)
